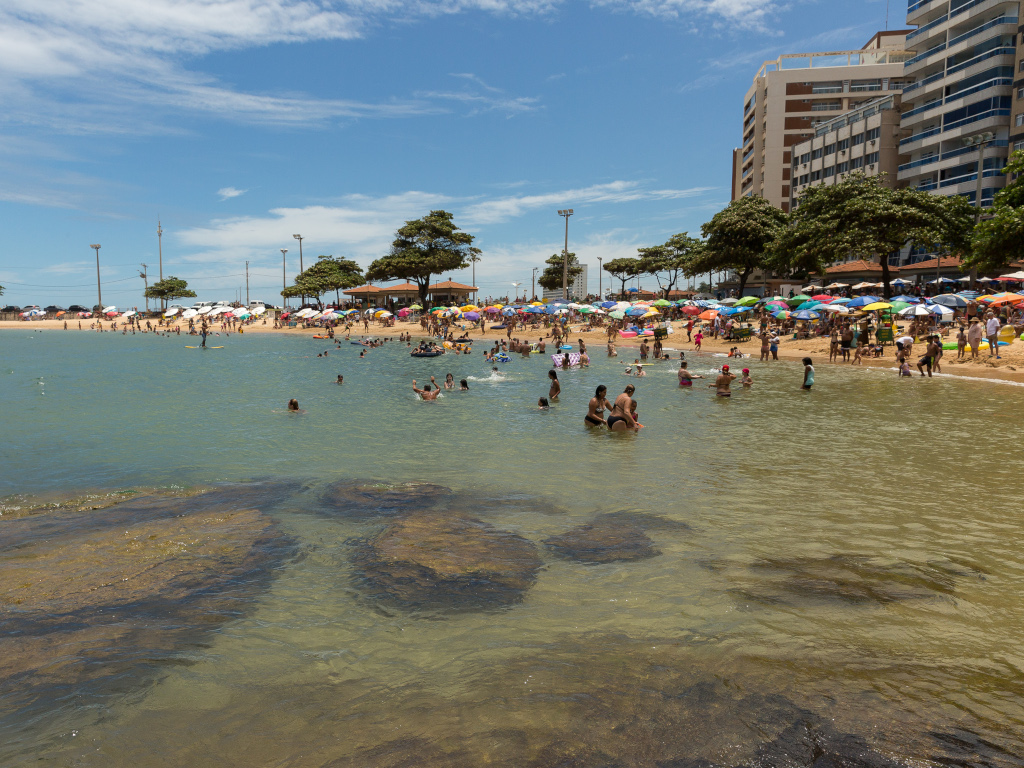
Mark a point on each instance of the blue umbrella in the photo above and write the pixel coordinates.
(607, 304)
(950, 300)
(805, 315)
(636, 311)
(810, 304)
(508, 312)
(906, 299)
(863, 301)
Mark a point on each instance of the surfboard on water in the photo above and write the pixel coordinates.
(188, 347)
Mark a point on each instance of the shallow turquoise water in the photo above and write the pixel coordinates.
(776, 485)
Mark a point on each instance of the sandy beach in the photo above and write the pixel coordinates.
(1009, 368)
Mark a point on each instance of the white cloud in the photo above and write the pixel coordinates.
(746, 14)
(226, 193)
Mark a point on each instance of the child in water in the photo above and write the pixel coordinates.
(464, 385)
(633, 413)
(543, 404)
(746, 381)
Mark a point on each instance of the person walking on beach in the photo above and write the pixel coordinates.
(974, 334)
(992, 331)
(929, 356)
(723, 382)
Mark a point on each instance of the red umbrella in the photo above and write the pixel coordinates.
(692, 310)
(823, 298)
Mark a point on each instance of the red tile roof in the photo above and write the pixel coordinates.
(362, 290)
(449, 285)
(858, 266)
(952, 262)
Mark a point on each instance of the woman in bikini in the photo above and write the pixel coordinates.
(598, 405)
(620, 420)
(685, 377)
(556, 388)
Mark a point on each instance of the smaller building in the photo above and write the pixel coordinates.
(865, 139)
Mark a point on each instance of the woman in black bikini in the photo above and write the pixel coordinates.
(598, 405)
(620, 419)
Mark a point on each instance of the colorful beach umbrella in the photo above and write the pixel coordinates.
(797, 300)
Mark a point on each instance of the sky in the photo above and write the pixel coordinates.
(238, 123)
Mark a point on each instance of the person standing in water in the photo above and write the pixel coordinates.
(620, 419)
(556, 389)
(723, 382)
(427, 393)
(808, 374)
(685, 377)
(598, 405)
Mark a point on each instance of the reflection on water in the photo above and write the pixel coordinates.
(785, 579)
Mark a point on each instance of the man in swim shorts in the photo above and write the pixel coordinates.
(723, 382)
(930, 356)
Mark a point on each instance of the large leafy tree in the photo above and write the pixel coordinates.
(862, 216)
(1000, 239)
(169, 289)
(623, 270)
(551, 277)
(668, 263)
(325, 275)
(422, 248)
(739, 238)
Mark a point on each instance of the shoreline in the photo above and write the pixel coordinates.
(1009, 368)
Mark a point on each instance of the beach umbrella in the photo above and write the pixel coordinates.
(950, 300)
(636, 311)
(840, 301)
(824, 298)
(587, 310)
(663, 303)
(607, 304)
(862, 286)
(171, 312)
(729, 301)
(862, 301)
(898, 306)
(383, 313)
(835, 308)
(876, 306)
(1006, 298)
(806, 315)
(781, 315)
(616, 314)
(652, 313)
(915, 310)
(258, 311)
(709, 314)
(691, 310)
(130, 313)
(404, 312)
(240, 311)
(836, 286)
(940, 310)
(746, 301)
(469, 308)
(900, 281)
(415, 307)
(109, 309)
(810, 305)
(471, 316)
(800, 299)
(85, 315)
(188, 314)
(906, 299)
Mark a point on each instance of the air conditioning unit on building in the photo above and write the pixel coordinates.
(871, 167)
(872, 142)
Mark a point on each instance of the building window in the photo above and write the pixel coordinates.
(842, 167)
(816, 154)
(872, 158)
(826, 106)
(858, 139)
(803, 179)
(815, 175)
(873, 134)
(844, 144)
(829, 172)
(1021, 65)
(857, 162)
(1018, 145)
(1020, 93)
(1019, 120)
(830, 149)
(805, 157)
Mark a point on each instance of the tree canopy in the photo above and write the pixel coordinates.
(623, 270)
(862, 216)
(669, 262)
(169, 289)
(998, 240)
(739, 238)
(551, 277)
(325, 275)
(422, 248)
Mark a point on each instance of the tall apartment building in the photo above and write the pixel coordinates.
(963, 87)
(794, 94)
(864, 140)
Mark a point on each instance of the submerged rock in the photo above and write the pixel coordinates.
(366, 499)
(448, 561)
(606, 540)
(88, 595)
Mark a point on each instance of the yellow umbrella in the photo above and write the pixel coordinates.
(651, 313)
(876, 306)
(536, 303)
(470, 308)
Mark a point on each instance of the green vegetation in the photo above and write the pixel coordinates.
(169, 289)
(326, 275)
(1000, 239)
(551, 277)
(623, 270)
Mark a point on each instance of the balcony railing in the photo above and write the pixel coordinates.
(925, 55)
(916, 5)
(1007, 51)
(928, 26)
(862, 88)
(918, 163)
(922, 109)
(968, 150)
(817, 89)
(969, 177)
(965, 7)
(977, 118)
(993, 83)
(982, 28)
(922, 135)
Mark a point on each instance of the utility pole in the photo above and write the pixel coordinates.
(565, 254)
(145, 282)
(99, 289)
(247, 283)
(533, 285)
(600, 296)
(160, 248)
(284, 276)
(299, 238)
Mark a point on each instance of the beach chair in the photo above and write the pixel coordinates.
(292, 323)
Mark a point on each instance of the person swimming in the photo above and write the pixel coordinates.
(464, 385)
(341, 379)
(293, 405)
(543, 404)
(685, 377)
(598, 405)
(427, 393)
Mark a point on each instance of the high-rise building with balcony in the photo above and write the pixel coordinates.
(794, 94)
(963, 86)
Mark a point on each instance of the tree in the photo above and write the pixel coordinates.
(861, 215)
(739, 238)
(623, 270)
(999, 239)
(424, 247)
(325, 275)
(169, 289)
(669, 262)
(551, 277)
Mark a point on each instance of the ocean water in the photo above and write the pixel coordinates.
(849, 557)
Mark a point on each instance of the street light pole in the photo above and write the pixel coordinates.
(565, 254)
(533, 284)
(99, 289)
(517, 292)
(160, 248)
(145, 282)
(600, 296)
(247, 282)
(284, 277)
(299, 238)
(981, 139)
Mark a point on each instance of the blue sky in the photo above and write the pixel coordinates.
(240, 123)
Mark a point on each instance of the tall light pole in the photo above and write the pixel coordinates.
(160, 248)
(145, 283)
(533, 284)
(284, 277)
(565, 254)
(980, 139)
(247, 282)
(99, 290)
(600, 296)
(299, 238)
(517, 292)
